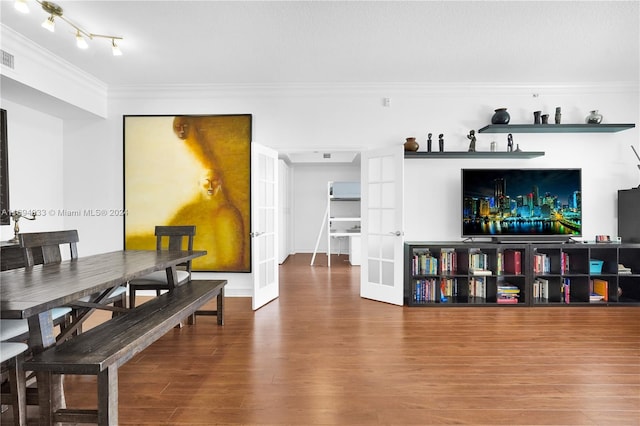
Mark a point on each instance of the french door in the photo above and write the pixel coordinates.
(264, 224)
(381, 273)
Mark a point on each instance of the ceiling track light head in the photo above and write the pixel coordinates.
(21, 6)
(51, 8)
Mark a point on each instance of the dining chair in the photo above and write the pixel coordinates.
(48, 245)
(167, 238)
(11, 360)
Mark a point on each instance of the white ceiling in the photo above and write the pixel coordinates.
(274, 42)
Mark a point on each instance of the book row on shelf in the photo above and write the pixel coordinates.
(542, 263)
(598, 290)
(432, 289)
(424, 263)
(444, 290)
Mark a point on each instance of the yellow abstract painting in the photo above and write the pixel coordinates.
(190, 170)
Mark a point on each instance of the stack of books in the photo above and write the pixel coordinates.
(623, 269)
(508, 293)
(599, 288)
(541, 289)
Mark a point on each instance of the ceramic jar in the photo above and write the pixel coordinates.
(594, 117)
(501, 116)
(411, 145)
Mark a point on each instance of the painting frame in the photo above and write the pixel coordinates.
(190, 170)
(5, 212)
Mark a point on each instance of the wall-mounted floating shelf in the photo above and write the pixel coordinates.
(477, 154)
(555, 128)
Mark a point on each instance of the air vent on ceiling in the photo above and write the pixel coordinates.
(7, 59)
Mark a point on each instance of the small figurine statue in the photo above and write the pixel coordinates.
(472, 137)
(558, 116)
(441, 142)
(429, 142)
(509, 142)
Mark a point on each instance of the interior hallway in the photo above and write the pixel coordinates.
(321, 355)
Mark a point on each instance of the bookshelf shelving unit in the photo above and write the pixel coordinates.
(549, 274)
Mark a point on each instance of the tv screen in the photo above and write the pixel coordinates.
(531, 203)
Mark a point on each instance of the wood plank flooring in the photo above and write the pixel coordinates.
(321, 355)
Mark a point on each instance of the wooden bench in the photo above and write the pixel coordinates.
(101, 350)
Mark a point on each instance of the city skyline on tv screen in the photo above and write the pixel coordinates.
(521, 202)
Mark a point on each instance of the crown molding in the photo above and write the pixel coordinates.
(45, 72)
(196, 91)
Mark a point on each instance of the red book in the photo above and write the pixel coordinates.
(513, 262)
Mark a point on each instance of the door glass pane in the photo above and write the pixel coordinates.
(373, 246)
(262, 275)
(388, 246)
(388, 189)
(270, 195)
(268, 172)
(262, 220)
(269, 221)
(374, 171)
(374, 271)
(374, 195)
(262, 161)
(374, 221)
(388, 168)
(262, 191)
(387, 221)
(269, 241)
(271, 268)
(387, 274)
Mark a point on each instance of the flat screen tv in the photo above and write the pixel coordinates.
(526, 204)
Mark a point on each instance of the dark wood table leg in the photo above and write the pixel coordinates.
(50, 388)
(220, 308)
(108, 396)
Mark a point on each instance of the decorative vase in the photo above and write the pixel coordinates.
(594, 117)
(558, 115)
(501, 116)
(545, 118)
(536, 117)
(411, 145)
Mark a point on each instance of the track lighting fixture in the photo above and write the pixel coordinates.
(54, 11)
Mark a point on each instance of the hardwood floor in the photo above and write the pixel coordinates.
(321, 355)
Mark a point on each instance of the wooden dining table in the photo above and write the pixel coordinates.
(32, 292)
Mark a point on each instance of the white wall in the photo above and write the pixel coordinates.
(36, 178)
(285, 218)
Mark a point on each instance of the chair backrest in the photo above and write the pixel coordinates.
(48, 245)
(173, 238)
